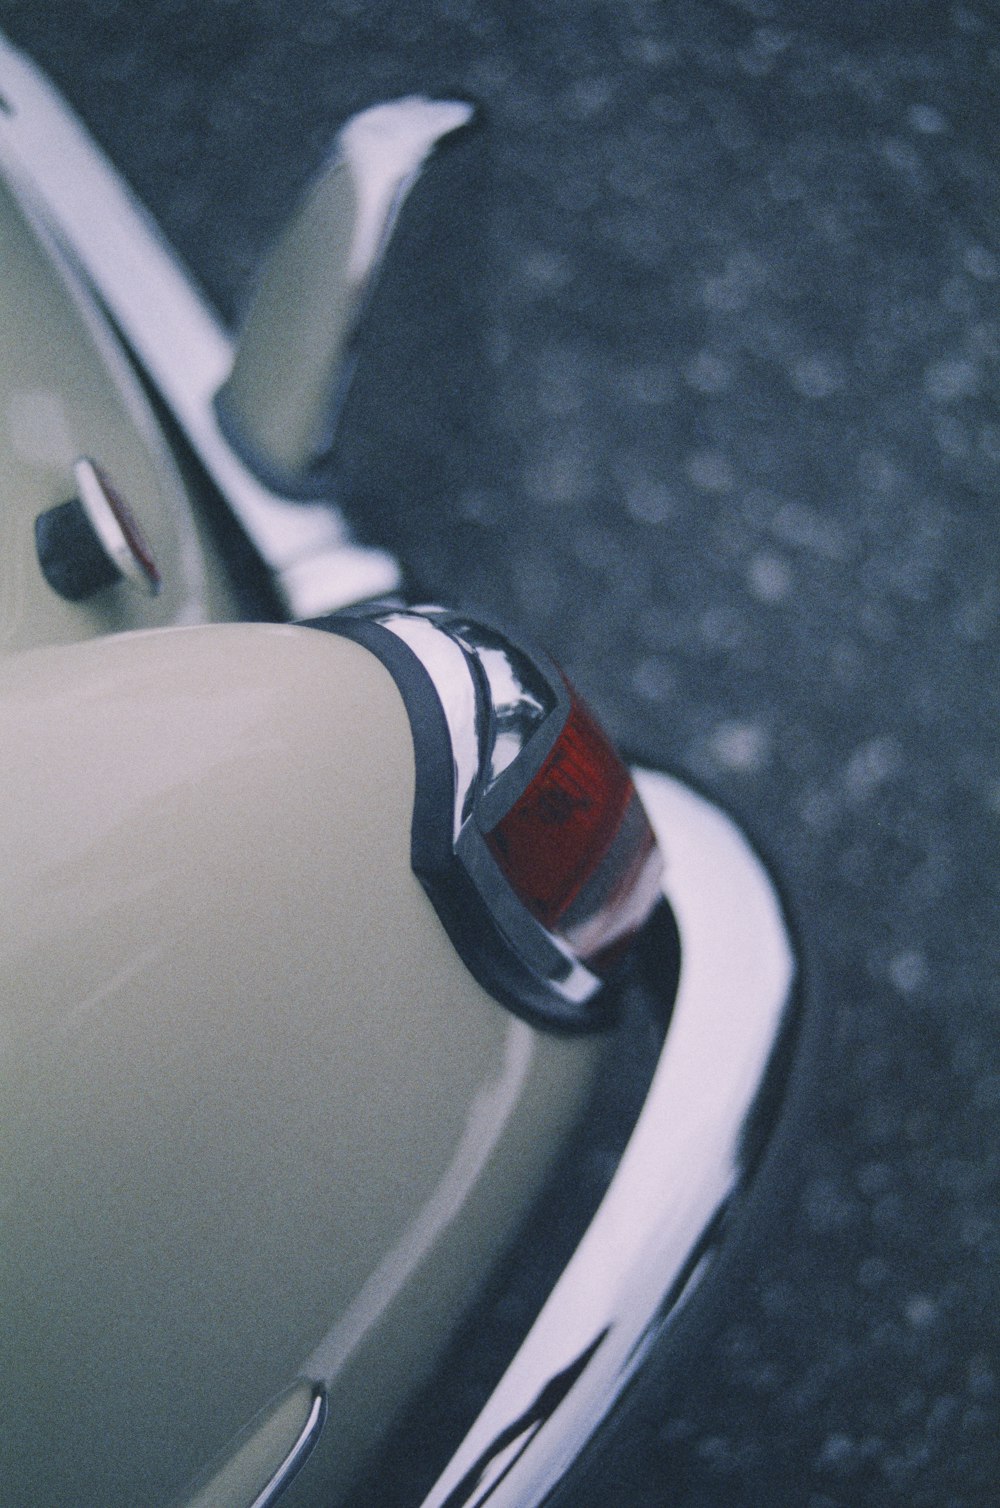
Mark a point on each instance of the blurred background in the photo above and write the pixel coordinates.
(687, 367)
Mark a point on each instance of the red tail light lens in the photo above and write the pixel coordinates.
(577, 847)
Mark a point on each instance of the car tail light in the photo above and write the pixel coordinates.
(528, 834)
(576, 845)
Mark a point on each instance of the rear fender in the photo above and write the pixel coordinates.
(264, 1128)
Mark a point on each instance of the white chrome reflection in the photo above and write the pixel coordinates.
(303, 1445)
(445, 662)
(517, 709)
(681, 1165)
(295, 355)
(51, 160)
(385, 147)
(519, 698)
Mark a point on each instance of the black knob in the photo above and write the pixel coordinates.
(93, 541)
(74, 562)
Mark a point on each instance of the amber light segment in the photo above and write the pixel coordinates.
(576, 845)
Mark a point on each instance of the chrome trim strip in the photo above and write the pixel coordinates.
(447, 665)
(385, 147)
(303, 1445)
(648, 1244)
(295, 355)
(52, 161)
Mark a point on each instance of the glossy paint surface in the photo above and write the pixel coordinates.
(260, 1123)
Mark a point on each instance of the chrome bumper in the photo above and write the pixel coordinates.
(650, 1242)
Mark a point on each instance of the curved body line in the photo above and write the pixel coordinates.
(488, 1115)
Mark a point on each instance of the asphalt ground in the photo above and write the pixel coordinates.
(697, 384)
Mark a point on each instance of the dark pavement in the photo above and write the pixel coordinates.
(716, 352)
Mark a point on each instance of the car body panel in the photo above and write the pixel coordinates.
(260, 1122)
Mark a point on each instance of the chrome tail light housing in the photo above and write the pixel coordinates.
(529, 835)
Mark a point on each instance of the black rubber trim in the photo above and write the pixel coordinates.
(463, 910)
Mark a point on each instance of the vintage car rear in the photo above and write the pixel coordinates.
(318, 937)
